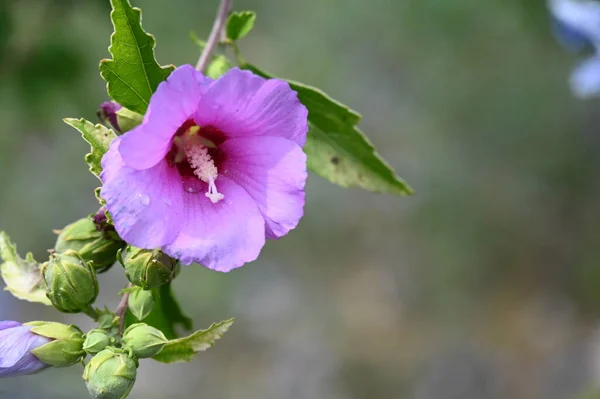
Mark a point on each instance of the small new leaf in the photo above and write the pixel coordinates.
(133, 74)
(22, 277)
(98, 136)
(240, 24)
(337, 150)
(184, 349)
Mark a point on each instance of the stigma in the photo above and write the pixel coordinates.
(204, 168)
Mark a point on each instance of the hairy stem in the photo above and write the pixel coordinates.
(215, 34)
(122, 308)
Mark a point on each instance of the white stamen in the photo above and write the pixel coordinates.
(205, 169)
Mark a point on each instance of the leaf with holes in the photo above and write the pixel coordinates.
(98, 136)
(133, 74)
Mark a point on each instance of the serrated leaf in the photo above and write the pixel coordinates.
(22, 277)
(98, 136)
(166, 313)
(337, 150)
(133, 74)
(127, 119)
(184, 349)
(239, 24)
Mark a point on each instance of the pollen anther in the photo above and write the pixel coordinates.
(205, 169)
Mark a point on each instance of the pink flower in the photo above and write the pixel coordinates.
(214, 169)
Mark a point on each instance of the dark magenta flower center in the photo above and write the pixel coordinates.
(196, 155)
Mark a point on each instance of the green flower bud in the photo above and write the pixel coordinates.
(110, 374)
(71, 282)
(140, 302)
(95, 245)
(96, 340)
(106, 321)
(148, 268)
(66, 348)
(144, 340)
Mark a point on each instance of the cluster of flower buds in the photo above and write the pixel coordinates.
(111, 372)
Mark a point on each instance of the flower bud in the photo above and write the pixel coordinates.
(96, 340)
(66, 347)
(140, 302)
(71, 282)
(91, 243)
(148, 268)
(110, 374)
(144, 340)
(108, 114)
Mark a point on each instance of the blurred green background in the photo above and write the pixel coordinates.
(485, 284)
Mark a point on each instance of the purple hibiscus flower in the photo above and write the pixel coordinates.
(214, 169)
(16, 343)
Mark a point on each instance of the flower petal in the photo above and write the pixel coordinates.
(585, 80)
(582, 17)
(146, 205)
(8, 324)
(15, 344)
(273, 171)
(220, 236)
(174, 102)
(243, 104)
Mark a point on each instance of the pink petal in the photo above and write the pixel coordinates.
(146, 205)
(173, 103)
(273, 171)
(242, 104)
(220, 236)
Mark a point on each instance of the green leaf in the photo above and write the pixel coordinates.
(127, 119)
(133, 74)
(98, 136)
(166, 313)
(240, 24)
(218, 66)
(184, 349)
(22, 277)
(337, 150)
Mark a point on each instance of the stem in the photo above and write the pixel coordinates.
(92, 312)
(215, 34)
(238, 56)
(122, 309)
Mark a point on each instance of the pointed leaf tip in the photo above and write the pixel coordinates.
(184, 349)
(133, 74)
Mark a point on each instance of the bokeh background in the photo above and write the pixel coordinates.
(484, 285)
